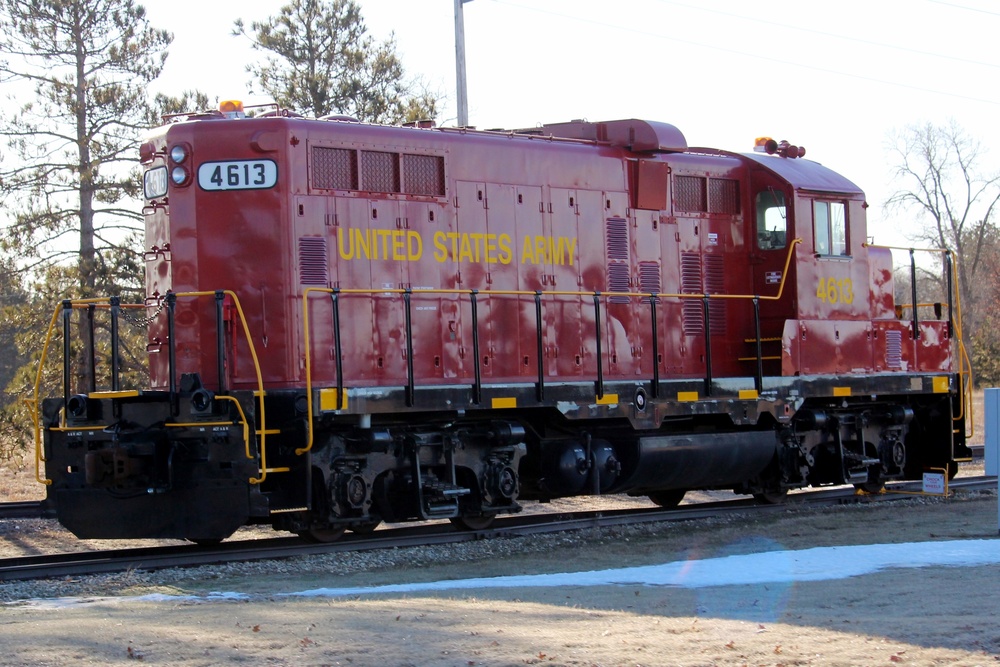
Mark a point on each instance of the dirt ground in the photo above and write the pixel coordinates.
(931, 616)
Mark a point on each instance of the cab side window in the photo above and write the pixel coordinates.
(772, 223)
(830, 228)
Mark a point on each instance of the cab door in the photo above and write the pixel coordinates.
(771, 233)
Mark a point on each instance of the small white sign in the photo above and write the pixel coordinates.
(772, 277)
(934, 483)
(713, 238)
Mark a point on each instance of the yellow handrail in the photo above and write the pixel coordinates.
(420, 290)
(260, 380)
(964, 363)
(34, 402)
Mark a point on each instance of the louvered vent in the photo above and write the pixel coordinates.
(423, 175)
(379, 171)
(692, 320)
(649, 278)
(894, 350)
(616, 245)
(617, 239)
(334, 168)
(312, 261)
(723, 196)
(618, 281)
(690, 193)
(715, 283)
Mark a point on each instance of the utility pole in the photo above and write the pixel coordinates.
(463, 91)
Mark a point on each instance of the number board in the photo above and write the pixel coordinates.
(238, 175)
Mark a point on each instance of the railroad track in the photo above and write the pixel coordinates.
(152, 558)
(28, 509)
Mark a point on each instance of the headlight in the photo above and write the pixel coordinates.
(179, 175)
(178, 153)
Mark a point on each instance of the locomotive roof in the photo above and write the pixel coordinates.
(804, 174)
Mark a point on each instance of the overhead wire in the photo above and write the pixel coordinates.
(724, 49)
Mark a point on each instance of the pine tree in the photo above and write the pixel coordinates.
(322, 61)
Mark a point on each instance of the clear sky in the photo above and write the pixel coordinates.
(836, 78)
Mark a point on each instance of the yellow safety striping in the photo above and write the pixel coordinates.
(607, 399)
(749, 394)
(687, 396)
(506, 402)
(765, 358)
(328, 400)
(130, 393)
(841, 391)
(941, 385)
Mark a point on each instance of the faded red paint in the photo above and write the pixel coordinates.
(517, 213)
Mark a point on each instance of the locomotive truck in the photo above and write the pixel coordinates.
(350, 323)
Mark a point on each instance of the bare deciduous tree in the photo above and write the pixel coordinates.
(940, 175)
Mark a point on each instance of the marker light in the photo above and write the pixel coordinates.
(178, 153)
(232, 109)
(179, 175)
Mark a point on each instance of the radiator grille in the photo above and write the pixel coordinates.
(423, 175)
(379, 171)
(724, 196)
(313, 261)
(690, 193)
(334, 168)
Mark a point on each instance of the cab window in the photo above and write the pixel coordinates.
(830, 228)
(771, 220)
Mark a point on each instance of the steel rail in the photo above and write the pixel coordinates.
(189, 555)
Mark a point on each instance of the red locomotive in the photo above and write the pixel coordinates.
(352, 323)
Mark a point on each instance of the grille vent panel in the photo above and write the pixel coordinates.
(894, 350)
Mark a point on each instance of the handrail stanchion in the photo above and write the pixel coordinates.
(171, 300)
(477, 387)
(220, 339)
(116, 303)
(410, 391)
(708, 345)
(91, 350)
(759, 379)
(540, 386)
(913, 293)
(951, 297)
(337, 349)
(600, 353)
(655, 389)
(67, 351)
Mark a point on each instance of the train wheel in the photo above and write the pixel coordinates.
(473, 522)
(322, 535)
(771, 497)
(667, 498)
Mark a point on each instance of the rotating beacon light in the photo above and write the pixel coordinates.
(232, 109)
